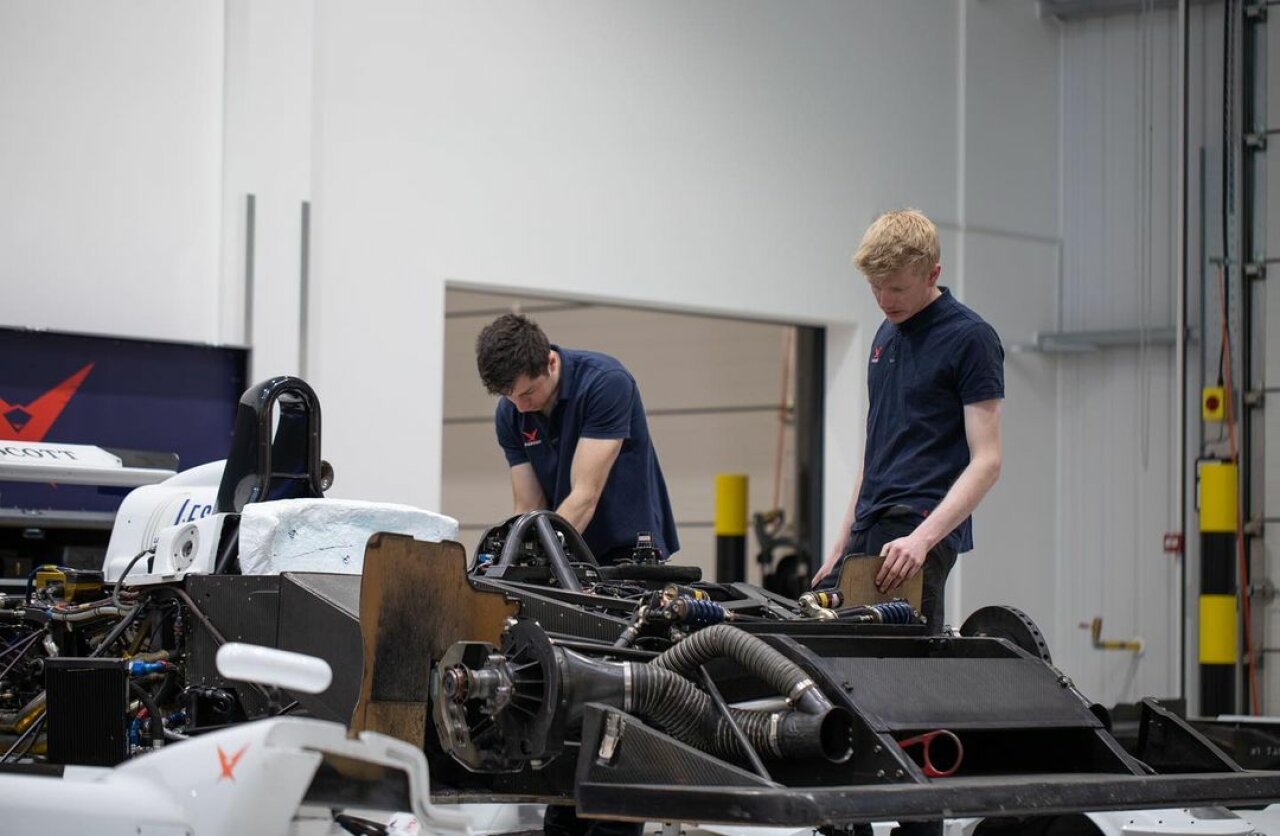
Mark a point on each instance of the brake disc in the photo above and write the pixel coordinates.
(1001, 621)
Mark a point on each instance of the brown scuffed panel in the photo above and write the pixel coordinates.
(402, 720)
(858, 583)
(415, 602)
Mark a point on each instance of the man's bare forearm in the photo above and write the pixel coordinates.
(850, 515)
(578, 509)
(840, 544)
(963, 497)
(526, 493)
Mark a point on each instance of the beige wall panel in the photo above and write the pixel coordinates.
(679, 361)
(459, 301)
(700, 550)
(694, 448)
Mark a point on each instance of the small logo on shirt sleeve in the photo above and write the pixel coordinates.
(531, 437)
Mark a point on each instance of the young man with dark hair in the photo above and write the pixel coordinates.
(573, 429)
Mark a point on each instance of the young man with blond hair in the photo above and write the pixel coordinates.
(935, 381)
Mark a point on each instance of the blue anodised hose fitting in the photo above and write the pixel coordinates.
(895, 612)
(144, 668)
(698, 613)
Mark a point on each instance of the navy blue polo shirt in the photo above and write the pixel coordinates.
(921, 375)
(598, 398)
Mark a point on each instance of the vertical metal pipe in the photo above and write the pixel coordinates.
(1180, 328)
(1240, 384)
(1191, 593)
(304, 291)
(250, 219)
(810, 372)
(1252, 252)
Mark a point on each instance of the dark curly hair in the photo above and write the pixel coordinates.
(510, 346)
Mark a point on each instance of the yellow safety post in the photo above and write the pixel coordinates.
(731, 527)
(1219, 504)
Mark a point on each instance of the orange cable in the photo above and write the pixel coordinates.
(1241, 560)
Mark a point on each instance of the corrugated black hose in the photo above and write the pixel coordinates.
(755, 657)
(661, 692)
(686, 713)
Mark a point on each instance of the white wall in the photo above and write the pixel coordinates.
(267, 150)
(1008, 247)
(1117, 467)
(718, 157)
(110, 167)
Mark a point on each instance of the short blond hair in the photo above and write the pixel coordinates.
(896, 241)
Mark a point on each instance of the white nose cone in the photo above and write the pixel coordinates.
(268, 666)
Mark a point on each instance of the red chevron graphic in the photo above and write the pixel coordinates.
(228, 764)
(30, 422)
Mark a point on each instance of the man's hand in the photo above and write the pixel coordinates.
(902, 559)
(829, 564)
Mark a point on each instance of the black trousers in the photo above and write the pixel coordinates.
(937, 564)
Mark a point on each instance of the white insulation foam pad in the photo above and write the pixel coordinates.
(327, 535)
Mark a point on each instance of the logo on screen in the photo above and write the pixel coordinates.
(30, 422)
